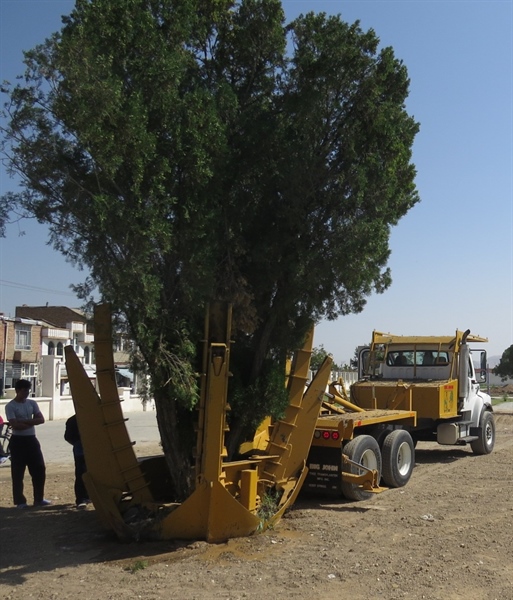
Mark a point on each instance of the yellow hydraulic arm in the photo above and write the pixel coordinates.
(113, 473)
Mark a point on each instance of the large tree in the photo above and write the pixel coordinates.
(190, 150)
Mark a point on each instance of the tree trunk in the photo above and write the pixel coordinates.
(178, 455)
(234, 438)
(261, 347)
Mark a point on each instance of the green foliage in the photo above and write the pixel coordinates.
(188, 150)
(252, 400)
(138, 565)
(4, 213)
(318, 356)
(505, 367)
(268, 508)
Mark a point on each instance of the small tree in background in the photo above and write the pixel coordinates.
(505, 367)
(318, 356)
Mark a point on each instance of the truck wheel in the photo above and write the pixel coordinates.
(486, 441)
(364, 450)
(398, 458)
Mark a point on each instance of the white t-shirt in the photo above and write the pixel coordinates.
(22, 411)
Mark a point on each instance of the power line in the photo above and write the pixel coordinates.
(24, 286)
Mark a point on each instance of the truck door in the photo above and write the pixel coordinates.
(473, 386)
(363, 361)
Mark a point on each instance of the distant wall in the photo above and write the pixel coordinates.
(61, 407)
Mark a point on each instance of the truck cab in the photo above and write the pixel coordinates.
(434, 376)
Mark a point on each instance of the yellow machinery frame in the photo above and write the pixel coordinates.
(227, 495)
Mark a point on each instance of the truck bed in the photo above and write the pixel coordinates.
(432, 399)
(346, 423)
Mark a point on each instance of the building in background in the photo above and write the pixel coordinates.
(32, 347)
(20, 352)
(63, 326)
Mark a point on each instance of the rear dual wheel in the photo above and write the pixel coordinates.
(394, 462)
(398, 458)
(363, 450)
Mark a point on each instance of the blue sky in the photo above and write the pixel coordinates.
(452, 255)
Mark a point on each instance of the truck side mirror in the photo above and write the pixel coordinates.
(483, 375)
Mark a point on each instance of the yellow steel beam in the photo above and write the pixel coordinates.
(388, 338)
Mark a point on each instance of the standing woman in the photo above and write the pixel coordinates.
(23, 415)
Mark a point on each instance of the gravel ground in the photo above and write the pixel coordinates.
(447, 535)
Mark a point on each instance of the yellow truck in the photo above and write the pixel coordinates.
(410, 388)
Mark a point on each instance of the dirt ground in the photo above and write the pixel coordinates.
(447, 535)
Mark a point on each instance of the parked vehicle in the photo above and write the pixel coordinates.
(410, 388)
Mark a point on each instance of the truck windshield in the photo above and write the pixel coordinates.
(419, 358)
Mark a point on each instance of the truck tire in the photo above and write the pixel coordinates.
(398, 455)
(364, 450)
(486, 441)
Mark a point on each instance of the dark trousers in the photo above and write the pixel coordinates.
(26, 453)
(80, 488)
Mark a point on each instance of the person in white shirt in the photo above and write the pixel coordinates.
(23, 415)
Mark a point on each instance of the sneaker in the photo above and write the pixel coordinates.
(81, 505)
(43, 503)
(3, 459)
(22, 505)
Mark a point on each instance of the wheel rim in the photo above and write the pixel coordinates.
(488, 434)
(404, 458)
(369, 460)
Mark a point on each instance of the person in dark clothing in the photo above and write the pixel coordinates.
(72, 436)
